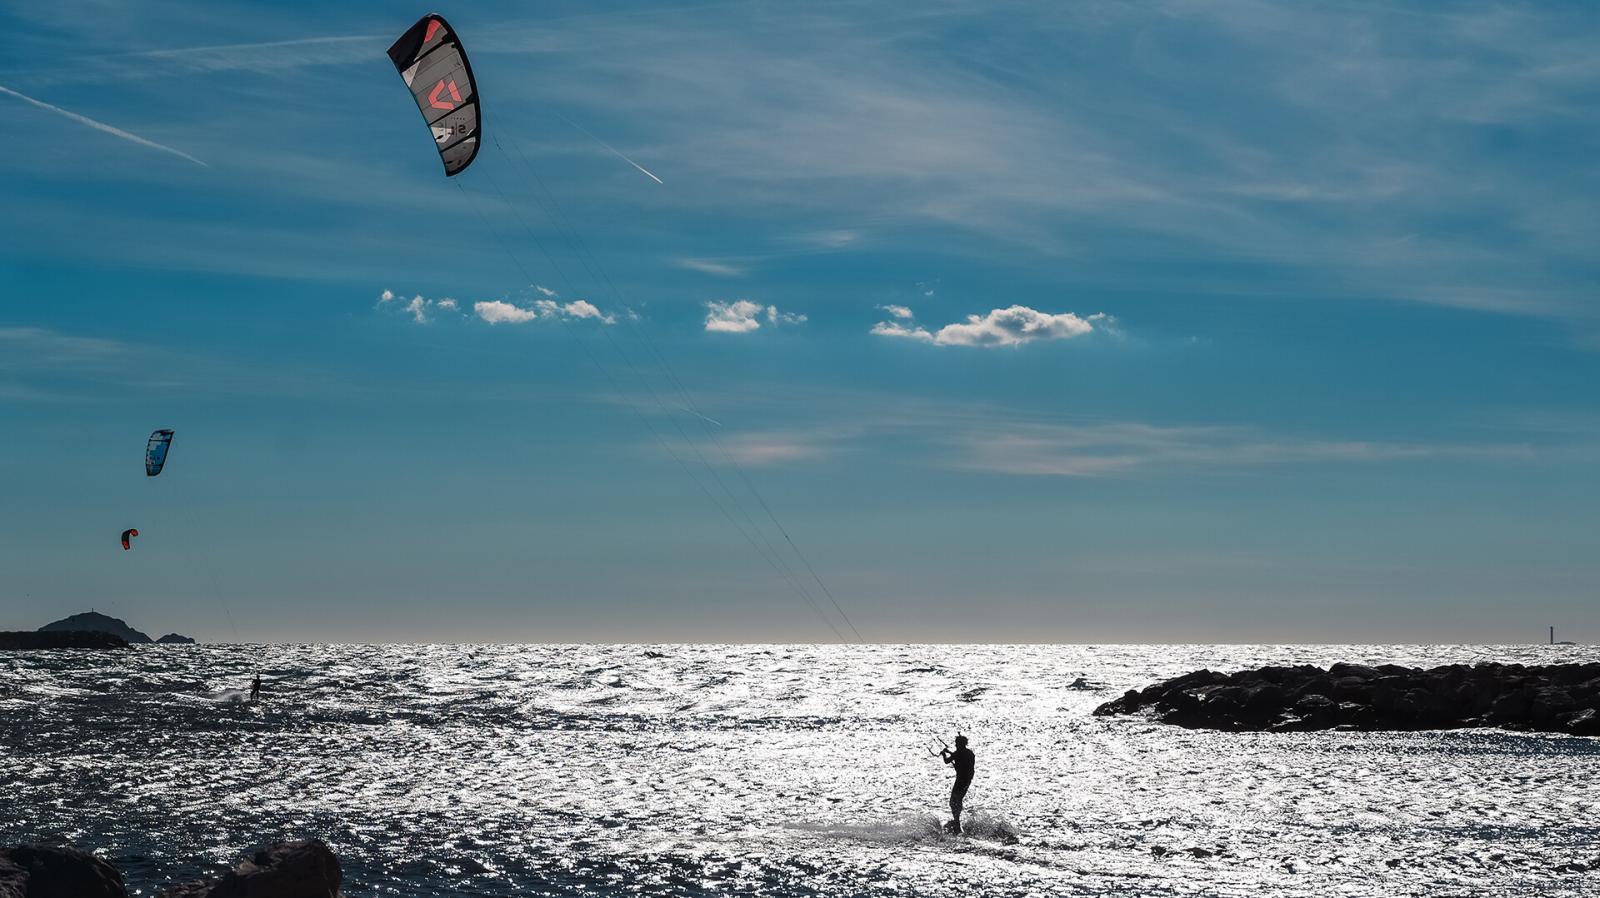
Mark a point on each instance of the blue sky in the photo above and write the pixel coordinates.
(1091, 322)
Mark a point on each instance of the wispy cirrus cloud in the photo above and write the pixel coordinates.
(1113, 448)
(41, 347)
(710, 266)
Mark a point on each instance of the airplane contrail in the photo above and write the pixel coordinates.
(701, 417)
(102, 126)
(616, 152)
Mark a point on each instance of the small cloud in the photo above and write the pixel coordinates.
(896, 329)
(580, 308)
(741, 316)
(775, 317)
(708, 266)
(419, 307)
(898, 311)
(546, 291)
(499, 312)
(1010, 326)
(737, 317)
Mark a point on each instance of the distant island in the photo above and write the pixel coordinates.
(29, 640)
(88, 630)
(95, 622)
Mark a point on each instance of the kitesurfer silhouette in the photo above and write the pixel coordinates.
(963, 760)
(255, 689)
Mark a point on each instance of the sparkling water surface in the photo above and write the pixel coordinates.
(484, 770)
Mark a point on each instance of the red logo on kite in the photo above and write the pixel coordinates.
(433, 95)
(433, 28)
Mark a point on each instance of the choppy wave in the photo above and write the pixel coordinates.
(771, 770)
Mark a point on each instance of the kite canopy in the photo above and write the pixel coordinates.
(155, 452)
(127, 535)
(429, 58)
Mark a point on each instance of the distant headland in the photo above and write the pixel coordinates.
(88, 630)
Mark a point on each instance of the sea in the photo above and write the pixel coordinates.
(772, 770)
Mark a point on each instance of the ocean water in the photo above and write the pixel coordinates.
(487, 770)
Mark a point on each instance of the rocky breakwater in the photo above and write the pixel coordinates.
(1556, 698)
(307, 869)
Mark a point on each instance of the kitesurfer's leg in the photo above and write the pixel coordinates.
(958, 793)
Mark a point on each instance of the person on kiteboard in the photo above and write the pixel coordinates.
(963, 760)
(255, 689)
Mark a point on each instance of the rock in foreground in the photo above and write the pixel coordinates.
(58, 639)
(1556, 698)
(307, 869)
(30, 871)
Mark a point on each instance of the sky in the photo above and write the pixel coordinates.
(1220, 321)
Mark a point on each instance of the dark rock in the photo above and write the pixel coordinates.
(307, 869)
(1352, 687)
(96, 622)
(1582, 723)
(29, 640)
(175, 639)
(1562, 698)
(1360, 671)
(1267, 696)
(1320, 684)
(29, 871)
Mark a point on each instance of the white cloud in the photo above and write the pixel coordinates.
(501, 312)
(775, 317)
(546, 290)
(737, 317)
(419, 307)
(741, 316)
(896, 329)
(708, 266)
(580, 308)
(1011, 326)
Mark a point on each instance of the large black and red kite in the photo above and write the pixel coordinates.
(430, 59)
